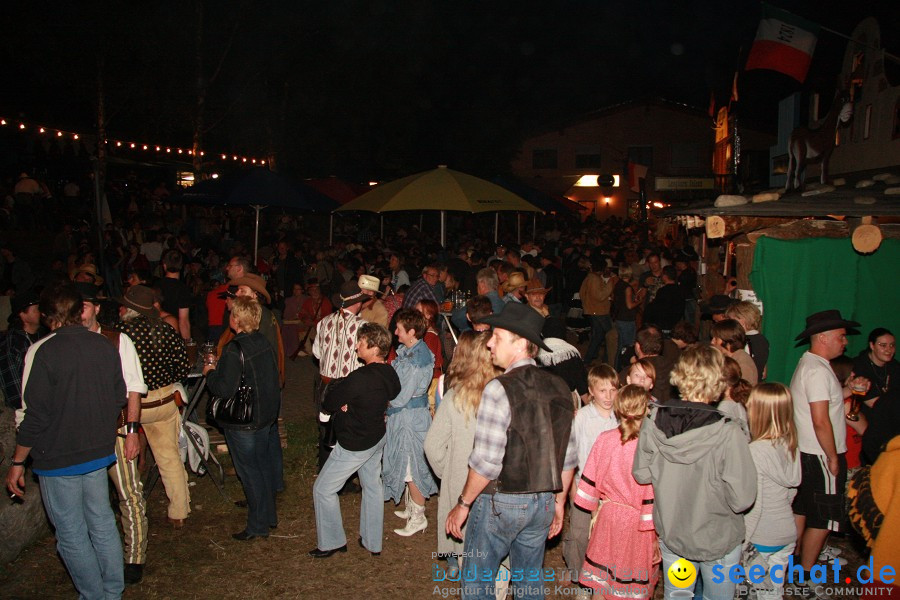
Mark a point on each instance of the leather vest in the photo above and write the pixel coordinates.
(541, 413)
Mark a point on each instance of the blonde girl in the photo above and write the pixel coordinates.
(770, 531)
(452, 434)
(623, 533)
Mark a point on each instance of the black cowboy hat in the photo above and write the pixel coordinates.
(89, 292)
(826, 320)
(717, 304)
(351, 294)
(522, 320)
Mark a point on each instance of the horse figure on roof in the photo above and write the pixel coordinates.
(815, 145)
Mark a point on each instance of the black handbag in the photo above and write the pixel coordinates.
(236, 409)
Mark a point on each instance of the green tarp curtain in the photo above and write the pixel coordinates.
(794, 279)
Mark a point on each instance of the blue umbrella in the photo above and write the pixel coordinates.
(258, 188)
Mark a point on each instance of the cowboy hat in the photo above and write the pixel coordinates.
(514, 281)
(826, 320)
(20, 303)
(368, 282)
(90, 269)
(254, 282)
(520, 319)
(717, 305)
(534, 286)
(350, 294)
(140, 298)
(89, 292)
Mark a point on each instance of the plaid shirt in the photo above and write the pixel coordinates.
(335, 344)
(15, 344)
(493, 421)
(420, 290)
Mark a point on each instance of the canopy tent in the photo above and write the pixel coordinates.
(258, 188)
(440, 189)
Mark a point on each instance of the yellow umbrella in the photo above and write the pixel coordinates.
(440, 189)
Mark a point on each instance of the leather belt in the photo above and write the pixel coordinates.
(162, 401)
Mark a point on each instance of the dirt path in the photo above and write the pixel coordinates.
(202, 561)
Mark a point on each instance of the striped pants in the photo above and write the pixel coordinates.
(125, 476)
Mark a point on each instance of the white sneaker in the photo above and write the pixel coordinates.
(829, 552)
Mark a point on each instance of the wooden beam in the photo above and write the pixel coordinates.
(727, 226)
(805, 228)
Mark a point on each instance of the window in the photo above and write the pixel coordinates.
(687, 156)
(587, 157)
(543, 158)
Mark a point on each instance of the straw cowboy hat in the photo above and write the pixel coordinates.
(522, 320)
(514, 281)
(90, 269)
(140, 298)
(826, 320)
(368, 282)
(254, 282)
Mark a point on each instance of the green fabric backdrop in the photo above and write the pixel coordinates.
(794, 279)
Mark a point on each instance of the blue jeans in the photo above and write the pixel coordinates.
(253, 456)
(626, 331)
(514, 524)
(711, 591)
(600, 326)
(86, 534)
(277, 456)
(341, 465)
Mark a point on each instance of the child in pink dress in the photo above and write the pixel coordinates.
(623, 558)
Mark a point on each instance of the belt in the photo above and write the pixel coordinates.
(162, 401)
(325, 379)
(417, 402)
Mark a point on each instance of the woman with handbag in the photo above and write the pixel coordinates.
(247, 373)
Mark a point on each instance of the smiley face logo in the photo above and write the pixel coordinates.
(682, 573)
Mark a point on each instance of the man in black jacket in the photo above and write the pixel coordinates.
(73, 391)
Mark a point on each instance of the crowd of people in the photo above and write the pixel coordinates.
(578, 383)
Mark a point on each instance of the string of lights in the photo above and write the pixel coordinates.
(124, 144)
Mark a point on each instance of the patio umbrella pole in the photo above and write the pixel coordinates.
(443, 229)
(382, 226)
(256, 234)
(518, 229)
(496, 227)
(331, 229)
(534, 227)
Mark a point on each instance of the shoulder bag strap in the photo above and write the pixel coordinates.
(241, 353)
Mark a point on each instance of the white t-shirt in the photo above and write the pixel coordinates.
(814, 381)
(586, 427)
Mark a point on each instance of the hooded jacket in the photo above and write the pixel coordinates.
(771, 520)
(703, 477)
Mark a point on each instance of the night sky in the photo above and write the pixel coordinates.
(377, 89)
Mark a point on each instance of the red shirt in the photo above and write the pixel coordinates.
(215, 306)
